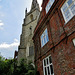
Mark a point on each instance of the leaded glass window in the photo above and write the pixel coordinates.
(44, 38)
(68, 10)
(48, 66)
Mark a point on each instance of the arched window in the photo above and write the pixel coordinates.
(31, 17)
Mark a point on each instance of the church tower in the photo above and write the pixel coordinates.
(26, 47)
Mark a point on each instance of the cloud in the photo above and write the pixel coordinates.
(7, 50)
(1, 24)
(5, 45)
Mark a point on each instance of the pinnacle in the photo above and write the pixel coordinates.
(34, 4)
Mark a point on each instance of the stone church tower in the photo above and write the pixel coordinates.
(26, 47)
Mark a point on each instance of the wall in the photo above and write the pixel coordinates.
(60, 45)
(27, 34)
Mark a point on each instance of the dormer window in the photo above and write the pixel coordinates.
(50, 3)
(44, 38)
(68, 10)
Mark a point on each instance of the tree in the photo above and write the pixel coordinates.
(9, 67)
(6, 66)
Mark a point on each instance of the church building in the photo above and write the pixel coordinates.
(26, 47)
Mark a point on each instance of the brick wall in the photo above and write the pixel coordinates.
(60, 44)
(63, 58)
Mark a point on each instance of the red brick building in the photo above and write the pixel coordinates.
(54, 38)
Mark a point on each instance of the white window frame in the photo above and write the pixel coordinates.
(68, 8)
(47, 65)
(50, 3)
(73, 41)
(44, 37)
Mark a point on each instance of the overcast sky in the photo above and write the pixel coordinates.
(12, 13)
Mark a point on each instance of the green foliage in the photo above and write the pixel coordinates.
(9, 67)
(6, 67)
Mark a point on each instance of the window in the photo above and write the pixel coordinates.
(68, 10)
(44, 38)
(74, 41)
(30, 30)
(48, 66)
(49, 5)
(31, 17)
(31, 51)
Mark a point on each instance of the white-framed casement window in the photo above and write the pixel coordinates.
(50, 3)
(68, 10)
(44, 38)
(73, 41)
(48, 66)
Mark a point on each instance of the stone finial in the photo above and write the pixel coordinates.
(26, 11)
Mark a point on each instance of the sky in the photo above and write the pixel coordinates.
(12, 13)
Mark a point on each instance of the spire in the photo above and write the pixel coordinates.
(34, 4)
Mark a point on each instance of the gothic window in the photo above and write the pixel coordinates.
(31, 17)
(68, 10)
(31, 51)
(74, 41)
(50, 3)
(44, 38)
(48, 66)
